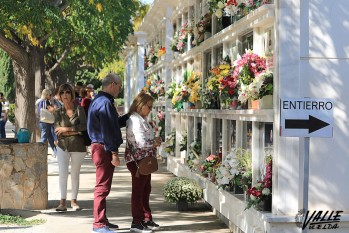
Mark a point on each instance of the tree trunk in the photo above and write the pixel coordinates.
(38, 66)
(25, 77)
(25, 101)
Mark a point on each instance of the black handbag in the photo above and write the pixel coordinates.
(87, 138)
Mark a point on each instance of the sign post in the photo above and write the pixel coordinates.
(306, 117)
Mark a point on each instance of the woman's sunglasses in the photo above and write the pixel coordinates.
(64, 92)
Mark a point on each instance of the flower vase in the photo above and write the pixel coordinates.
(192, 105)
(246, 196)
(198, 105)
(182, 205)
(185, 105)
(223, 102)
(233, 104)
(266, 102)
(253, 104)
(226, 21)
(265, 204)
(238, 189)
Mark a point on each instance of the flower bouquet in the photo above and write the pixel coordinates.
(193, 85)
(154, 86)
(161, 51)
(183, 142)
(193, 160)
(249, 66)
(170, 143)
(261, 192)
(210, 164)
(204, 25)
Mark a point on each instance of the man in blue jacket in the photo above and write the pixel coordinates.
(104, 130)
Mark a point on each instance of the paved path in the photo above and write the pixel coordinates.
(198, 219)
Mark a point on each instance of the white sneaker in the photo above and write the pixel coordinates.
(104, 229)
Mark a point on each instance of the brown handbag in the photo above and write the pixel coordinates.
(146, 166)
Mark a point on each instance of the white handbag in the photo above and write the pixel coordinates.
(46, 116)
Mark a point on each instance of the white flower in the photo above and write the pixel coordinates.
(219, 13)
(252, 197)
(220, 5)
(225, 180)
(266, 191)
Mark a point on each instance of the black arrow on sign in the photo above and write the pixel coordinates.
(312, 124)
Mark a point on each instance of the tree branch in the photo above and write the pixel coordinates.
(59, 61)
(15, 51)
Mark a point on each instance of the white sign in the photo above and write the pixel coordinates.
(306, 117)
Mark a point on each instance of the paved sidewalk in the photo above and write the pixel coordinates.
(198, 219)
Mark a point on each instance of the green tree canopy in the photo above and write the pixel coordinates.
(6, 77)
(42, 36)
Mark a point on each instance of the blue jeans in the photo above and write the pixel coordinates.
(47, 134)
(2, 129)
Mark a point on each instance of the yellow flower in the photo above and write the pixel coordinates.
(224, 67)
(99, 7)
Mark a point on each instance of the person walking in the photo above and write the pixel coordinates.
(104, 130)
(46, 128)
(70, 121)
(140, 143)
(4, 107)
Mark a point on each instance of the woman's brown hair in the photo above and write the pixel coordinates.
(139, 102)
(66, 87)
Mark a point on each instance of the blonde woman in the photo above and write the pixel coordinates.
(70, 121)
(47, 133)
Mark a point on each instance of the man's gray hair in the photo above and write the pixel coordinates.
(109, 79)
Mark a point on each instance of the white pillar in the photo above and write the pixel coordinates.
(141, 38)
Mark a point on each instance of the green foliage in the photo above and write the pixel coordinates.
(7, 83)
(267, 87)
(11, 113)
(182, 188)
(183, 142)
(119, 102)
(17, 220)
(243, 164)
(88, 33)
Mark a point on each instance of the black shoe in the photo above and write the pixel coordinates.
(111, 225)
(151, 225)
(140, 228)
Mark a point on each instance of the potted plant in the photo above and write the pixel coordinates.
(193, 160)
(182, 190)
(209, 166)
(260, 194)
(170, 143)
(243, 165)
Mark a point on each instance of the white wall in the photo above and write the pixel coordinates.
(313, 62)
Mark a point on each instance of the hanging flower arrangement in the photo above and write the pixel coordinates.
(162, 51)
(193, 85)
(249, 66)
(154, 86)
(263, 189)
(204, 25)
(180, 38)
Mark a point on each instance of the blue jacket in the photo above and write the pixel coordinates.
(104, 123)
